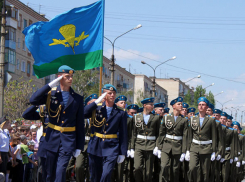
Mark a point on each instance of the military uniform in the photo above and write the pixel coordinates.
(144, 140)
(65, 133)
(172, 145)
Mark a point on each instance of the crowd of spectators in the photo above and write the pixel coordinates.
(18, 147)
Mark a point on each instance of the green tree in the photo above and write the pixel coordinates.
(16, 98)
(210, 97)
(187, 98)
(86, 82)
(141, 96)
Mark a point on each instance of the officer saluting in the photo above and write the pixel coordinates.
(65, 133)
(173, 132)
(108, 139)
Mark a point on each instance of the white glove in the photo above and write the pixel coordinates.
(218, 157)
(132, 153)
(155, 151)
(128, 153)
(182, 157)
(238, 164)
(77, 153)
(213, 156)
(159, 153)
(231, 160)
(120, 159)
(97, 101)
(222, 160)
(55, 81)
(236, 159)
(187, 156)
(243, 162)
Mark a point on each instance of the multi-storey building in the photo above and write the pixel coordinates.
(175, 88)
(18, 60)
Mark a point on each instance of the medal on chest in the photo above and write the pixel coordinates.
(194, 124)
(168, 123)
(138, 121)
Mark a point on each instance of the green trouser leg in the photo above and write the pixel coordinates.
(217, 171)
(170, 167)
(141, 157)
(186, 169)
(131, 170)
(225, 170)
(157, 165)
(204, 160)
(232, 176)
(212, 173)
(82, 167)
(69, 168)
(126, 170)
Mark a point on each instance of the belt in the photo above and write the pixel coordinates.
(87, 138)
(61, 129)
(227, 148)
(201, 142)
(146, 137)
(99, 135)
(44, 134)
(174, 137)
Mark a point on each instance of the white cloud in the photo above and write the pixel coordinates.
(122, 55)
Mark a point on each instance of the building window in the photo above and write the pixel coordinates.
(10, 56)
(33, 72)
(11, 35)
(28, 68)
(30, 22)
(18, 64)
(14, 13)
(24, 45)
(19, 43)
(23, 66)
(20, 21)
(25, 23)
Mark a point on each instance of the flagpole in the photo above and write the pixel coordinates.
(101, 70)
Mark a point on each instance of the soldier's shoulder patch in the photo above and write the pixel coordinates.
(241, 134)
(121, 108)
(217, 121)
(54, 88)
(130, 116)
(161, 121)
(100, 104)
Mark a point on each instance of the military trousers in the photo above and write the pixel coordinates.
(204, 160)
(170, 167)
(225, 170)
(118, 171)
(82, 169)
(143, 158)
(131, 170)
(69, 168)
(101, 167)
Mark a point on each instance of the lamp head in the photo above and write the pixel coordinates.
(199, 76)
(143, 62)
(138, 26)
(212, 84)
(173, 58)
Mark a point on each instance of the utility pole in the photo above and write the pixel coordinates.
(3, 33)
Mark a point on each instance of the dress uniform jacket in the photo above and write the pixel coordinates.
(149, 129)
(229, 144)
(204, 133)
(69, 116)
(241, 149)
(174, 128)
(220, 140)
(129, 129)
(115, 124)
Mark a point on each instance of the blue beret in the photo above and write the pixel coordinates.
(203, 99)
(236, 123)
(178, 99)
(211, 106)
(89, 98)
(148, 100)
(197, 113)
(133, 106)
(166, 110)
(66, 69)
(109, 87)
(191, 109)
(121, 98)
(224, 114)
(162, 104)
(153, 112)
(140, 109)
(229, 117)
(185, 105)
(217, 111)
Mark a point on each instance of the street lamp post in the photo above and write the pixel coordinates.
(242, 116)
(199, 76)
(112, 56)
(222, 104)
(219, 93)
(205, 89)
(236, 109)
(229, 110)
(154, 69)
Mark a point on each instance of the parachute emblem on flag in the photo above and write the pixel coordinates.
(68, 32)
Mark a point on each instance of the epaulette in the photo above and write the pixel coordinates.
(54, 88)
(234, 129)
(168, 114)
(130, 116)
(223, 125)
(100, 104)
(121, 108)
(231, 128)
(186, 117)
(138, 113)
(241, 134)
(217, 121)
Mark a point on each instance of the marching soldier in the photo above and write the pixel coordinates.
(129, 164)
(108, 138)
(184, 109)
(144, 141)
(118, 173)
(228, 136)
(173, 132)
(159, 109)
(140, 109)
(191, 112)
(202, 142)
(65, 135)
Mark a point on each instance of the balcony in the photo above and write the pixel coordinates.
(10, 44)
(119, 83)
(11, 22)
(9, 67)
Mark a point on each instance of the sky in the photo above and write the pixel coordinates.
(207, 37)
